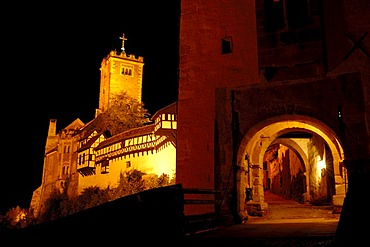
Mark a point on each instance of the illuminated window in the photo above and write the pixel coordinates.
(128, 142)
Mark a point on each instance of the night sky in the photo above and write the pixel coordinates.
(51, 55)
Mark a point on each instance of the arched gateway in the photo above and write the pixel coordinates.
(319, 157)
(294, 145)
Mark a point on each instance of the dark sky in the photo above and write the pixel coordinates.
(51, 55)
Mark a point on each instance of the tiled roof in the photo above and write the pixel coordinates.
(75, 125)
(88, 129)
(172, 108)
(89, 143)
(51, 150)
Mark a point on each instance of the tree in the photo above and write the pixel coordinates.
(17, 217)
(154, 181)
(52, 206)
(130, 182)
(59, 205)
(124, 113)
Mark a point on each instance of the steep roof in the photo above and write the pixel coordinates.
(172, 108)
(90, 142)
(75, 125)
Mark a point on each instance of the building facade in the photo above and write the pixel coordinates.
(255, 75)
(272, 95)
(79, 156)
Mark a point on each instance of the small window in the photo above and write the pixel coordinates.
(66, 149)
(105, 167)
(65, 170)
(227, 45)
(127, 70)
(128, 164)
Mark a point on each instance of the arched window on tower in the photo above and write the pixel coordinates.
(126, 70)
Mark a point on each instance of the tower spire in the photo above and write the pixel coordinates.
(123, 42)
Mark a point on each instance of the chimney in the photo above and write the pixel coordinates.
(52, 127)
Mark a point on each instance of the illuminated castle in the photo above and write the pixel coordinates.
(257, 79)
(82, 157)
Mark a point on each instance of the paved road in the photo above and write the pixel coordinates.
(285, 232)
(286, 223)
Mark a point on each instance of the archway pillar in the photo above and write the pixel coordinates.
(257, 206)
(341, 186)
(241, 185)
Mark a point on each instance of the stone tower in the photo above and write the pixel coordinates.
(120, 72)
(254, 73)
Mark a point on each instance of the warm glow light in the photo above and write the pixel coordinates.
(321, 164)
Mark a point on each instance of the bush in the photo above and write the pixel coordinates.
(60, 205)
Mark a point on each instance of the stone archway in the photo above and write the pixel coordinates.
(257, 140)
(286, 163)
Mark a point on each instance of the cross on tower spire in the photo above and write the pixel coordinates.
(123, 42)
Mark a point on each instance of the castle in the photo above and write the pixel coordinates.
(83, 157)
(256, 75)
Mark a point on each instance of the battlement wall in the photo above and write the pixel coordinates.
(125, 56)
